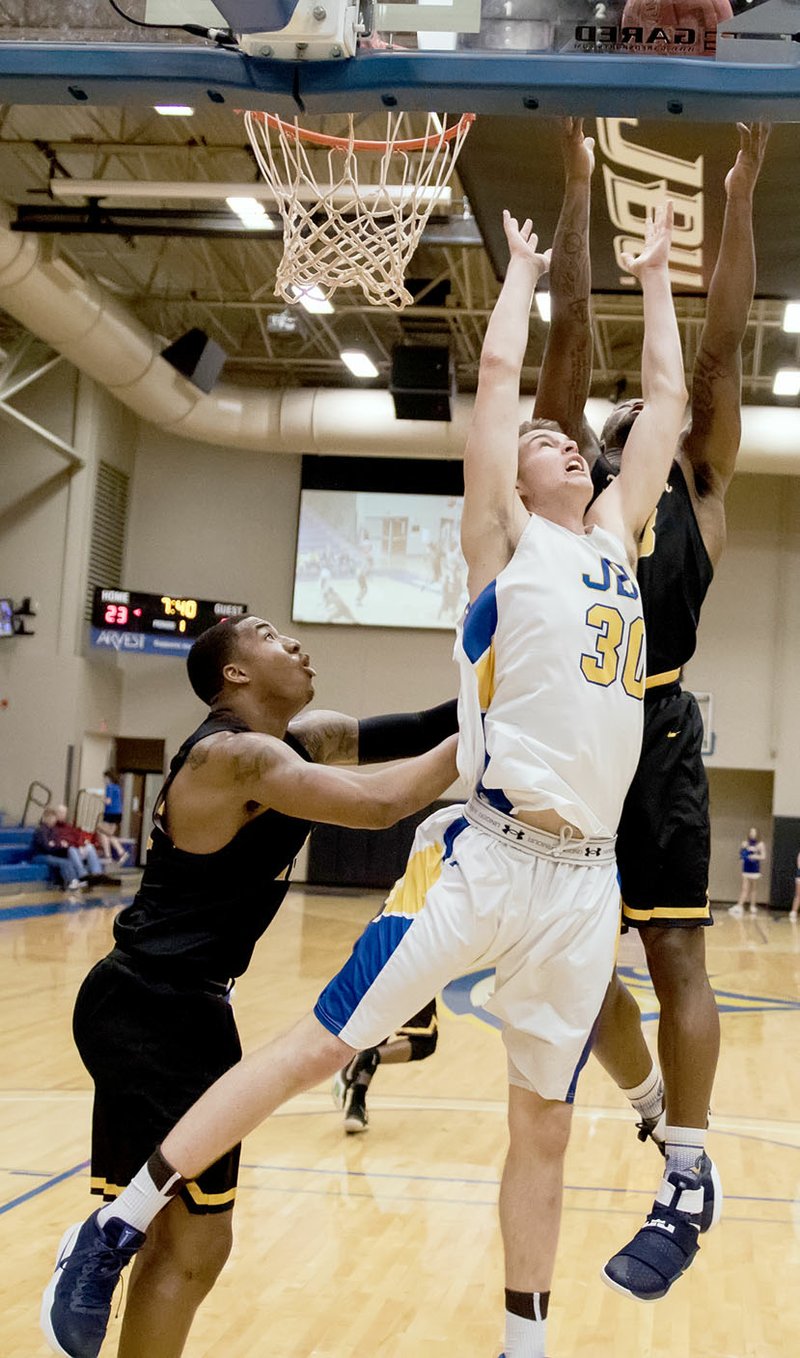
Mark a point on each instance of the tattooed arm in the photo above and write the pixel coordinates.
(711, 442)
(329, 737)
(567, 364)
(332, 738)
(264, 770)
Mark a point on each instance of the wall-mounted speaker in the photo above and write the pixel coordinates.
(422, 382)
(197, 357)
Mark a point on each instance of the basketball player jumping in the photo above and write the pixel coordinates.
(153, 1022)
(663, 844)
(523, 877)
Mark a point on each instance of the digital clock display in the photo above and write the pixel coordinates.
(154, 623)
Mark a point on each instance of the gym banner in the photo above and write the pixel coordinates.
(138, 643)
(508, 162)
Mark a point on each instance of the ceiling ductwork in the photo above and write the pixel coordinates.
(83, 322)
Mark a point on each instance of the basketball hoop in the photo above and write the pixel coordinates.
(346, 233)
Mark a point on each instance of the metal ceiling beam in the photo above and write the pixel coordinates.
(168, 189)
(64, 450)
(604, 308)
(83, 145)
(96, 220)
(41, 370)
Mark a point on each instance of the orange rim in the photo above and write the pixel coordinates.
(344, 143)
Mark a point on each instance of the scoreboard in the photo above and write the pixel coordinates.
(153, 624)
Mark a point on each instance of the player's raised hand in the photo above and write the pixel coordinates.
(676, 13)
(657, 242)
(668, 15)
(522, 242)
(577, 150)
(753, 138)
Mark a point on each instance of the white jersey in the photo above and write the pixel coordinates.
(552, 660)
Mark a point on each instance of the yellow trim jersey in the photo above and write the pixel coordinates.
(552, 662)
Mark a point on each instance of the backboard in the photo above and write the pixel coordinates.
(513, 57)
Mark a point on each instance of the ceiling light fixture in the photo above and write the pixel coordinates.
(174, 110)
(313, 300)
(543, 305)
(791, 318)
(251, 212)
(359, 363)
(787, 382)
(245, 207)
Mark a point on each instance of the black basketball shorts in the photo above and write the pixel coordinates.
(152, 1047)
(422, 1031)
(664, 841)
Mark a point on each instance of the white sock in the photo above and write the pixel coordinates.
(648, 1097)
(525, 1333)
(683, 1145)
(147, 1193)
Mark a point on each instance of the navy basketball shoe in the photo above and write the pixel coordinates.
(77, 1301)
(688, 1204)
(653, 1129)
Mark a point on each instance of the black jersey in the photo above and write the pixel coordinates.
(204, 913)
(674, 573)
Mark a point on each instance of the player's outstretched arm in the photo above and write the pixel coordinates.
(267, 771)
(711, 443)
(566, 373)
(493, 517)
(329, 737)
(334, 738)
(628, 503)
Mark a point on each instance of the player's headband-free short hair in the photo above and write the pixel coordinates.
(208, 657)
(531, 426)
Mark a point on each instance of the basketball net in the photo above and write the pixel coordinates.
(344, 233)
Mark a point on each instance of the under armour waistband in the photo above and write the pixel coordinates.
(540, 842)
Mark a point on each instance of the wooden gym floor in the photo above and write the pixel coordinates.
(388, 1243)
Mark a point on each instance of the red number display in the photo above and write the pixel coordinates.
(116, 615)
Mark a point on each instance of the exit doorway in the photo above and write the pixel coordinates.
(140, 765)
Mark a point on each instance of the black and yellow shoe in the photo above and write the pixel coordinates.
(350, 1087)
(356, 1118)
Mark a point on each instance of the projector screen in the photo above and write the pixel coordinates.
(379, 558)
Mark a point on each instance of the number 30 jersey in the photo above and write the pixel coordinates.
(552, 661)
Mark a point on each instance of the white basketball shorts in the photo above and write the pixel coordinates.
(543, 913)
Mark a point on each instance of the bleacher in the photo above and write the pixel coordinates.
(15, 850)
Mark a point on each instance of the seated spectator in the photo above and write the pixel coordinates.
(50, 847)
(72, 836)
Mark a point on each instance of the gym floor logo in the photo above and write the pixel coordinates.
(468, 995)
